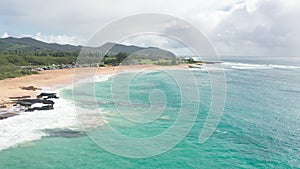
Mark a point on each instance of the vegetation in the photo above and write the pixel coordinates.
(12, 63)
(20, 56)
(13, 71)
(125, 59)
(36, 58)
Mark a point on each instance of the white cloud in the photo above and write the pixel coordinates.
(5, 35)
(236, 27)
(263, 27)
(60, 39)
(84, 18)
(251, 5)
(160, 41)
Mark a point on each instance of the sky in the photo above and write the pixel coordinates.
(234, 27)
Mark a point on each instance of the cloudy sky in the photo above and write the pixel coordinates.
(234, 27)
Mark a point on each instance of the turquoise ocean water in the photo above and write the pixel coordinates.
(260, 127)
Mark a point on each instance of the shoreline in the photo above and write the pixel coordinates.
(49, 80)
(30, 126)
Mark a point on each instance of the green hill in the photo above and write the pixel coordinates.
(32, 45)
(136, 50)
(17, 53)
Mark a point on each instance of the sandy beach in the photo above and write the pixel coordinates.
(59, 78)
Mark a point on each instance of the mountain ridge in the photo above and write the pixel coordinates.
(28, 44)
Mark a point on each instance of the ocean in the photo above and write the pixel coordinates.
(259, 128)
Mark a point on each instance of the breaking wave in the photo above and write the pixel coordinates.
(30, 126)
(244, 66)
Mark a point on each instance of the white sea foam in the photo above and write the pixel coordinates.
(103, 78)
(217, 67)
(244, 66)
(284, 67)
(30, 126)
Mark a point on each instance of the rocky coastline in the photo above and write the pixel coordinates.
(28, 104)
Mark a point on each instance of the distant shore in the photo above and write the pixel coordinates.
(59, 78)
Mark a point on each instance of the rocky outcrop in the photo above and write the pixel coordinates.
(7, 115)
(30, 102)
(48, 107)
(47, 96)
(66, 133)
(20, 97)
(42, 98)
(30, 88)
(27, 104)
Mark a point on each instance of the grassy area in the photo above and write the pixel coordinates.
(13, 71)
(166, 62)
(11, 63)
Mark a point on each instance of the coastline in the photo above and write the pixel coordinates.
(30, 126)
(53, 79)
